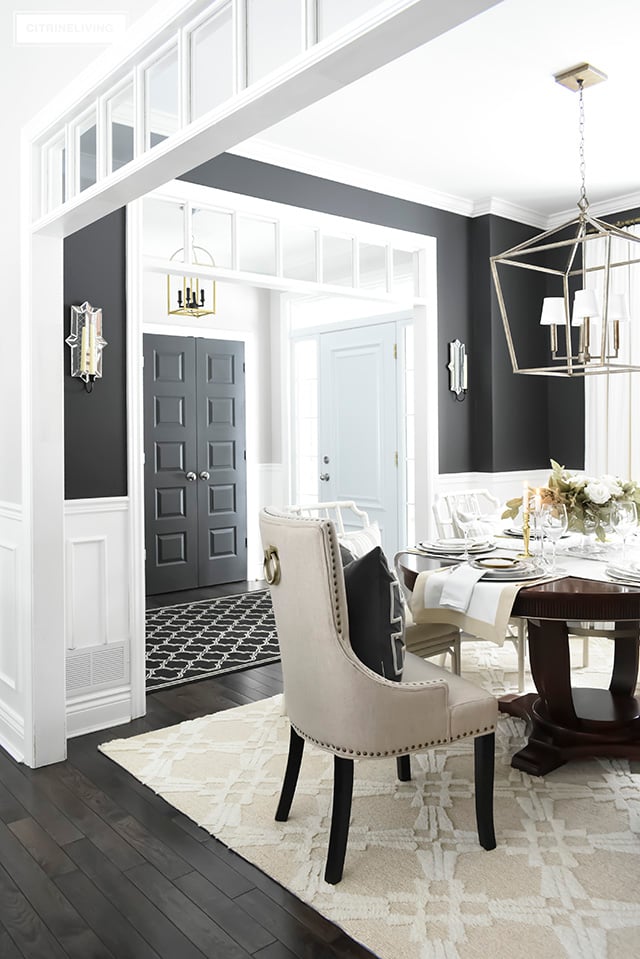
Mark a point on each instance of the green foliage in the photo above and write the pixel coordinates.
(589, 500)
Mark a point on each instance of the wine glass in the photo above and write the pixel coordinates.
(624, 519)
(465, 515)
(554, 523)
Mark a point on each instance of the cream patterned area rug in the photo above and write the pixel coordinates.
(564, 880)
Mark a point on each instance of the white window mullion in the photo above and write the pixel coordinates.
(311, 23)
(319, 257)
(235, 256)
(184, 78)
(241, 44)
(103, 140)
(388, 256)
(279, 256)
(140, 111)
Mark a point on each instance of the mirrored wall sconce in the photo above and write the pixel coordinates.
(457, 367)
(87, 343)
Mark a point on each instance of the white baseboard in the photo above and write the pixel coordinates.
(12, 732)
(88, 714)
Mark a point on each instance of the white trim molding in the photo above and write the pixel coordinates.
(12, 732)
(90, 713)
(106, 504)
(11, 511)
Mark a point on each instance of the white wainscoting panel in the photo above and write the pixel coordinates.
(504, 486)
(97, 613)
(12, 632)
(87, 590)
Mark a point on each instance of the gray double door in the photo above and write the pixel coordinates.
(195, 463)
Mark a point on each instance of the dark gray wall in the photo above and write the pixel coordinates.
(240, 175)
(507, 422)
(533, 418)
(95, 424)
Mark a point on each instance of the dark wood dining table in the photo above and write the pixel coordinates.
(566, 722)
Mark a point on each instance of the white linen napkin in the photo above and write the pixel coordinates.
(458, 587)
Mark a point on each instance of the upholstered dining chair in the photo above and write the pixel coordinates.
(337, 703)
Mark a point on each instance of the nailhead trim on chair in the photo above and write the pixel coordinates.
(402, 751)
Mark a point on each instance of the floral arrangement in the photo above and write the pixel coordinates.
(588, 499)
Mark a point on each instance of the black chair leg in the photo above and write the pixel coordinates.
(484, 762)
(296, 745)
(404, 768)
(342, 793)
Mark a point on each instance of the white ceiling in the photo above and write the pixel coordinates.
(476, 113)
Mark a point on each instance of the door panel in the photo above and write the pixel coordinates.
(222, 515)
(170, 431)
(358, 423)
(194, 424)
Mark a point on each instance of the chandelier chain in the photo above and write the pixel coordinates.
(583, 202)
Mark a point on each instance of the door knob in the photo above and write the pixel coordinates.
(204, 475)
(191, 476)
(324, 477)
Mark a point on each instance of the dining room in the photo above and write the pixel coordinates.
(151, 825)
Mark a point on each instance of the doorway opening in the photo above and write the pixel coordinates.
(352, 416)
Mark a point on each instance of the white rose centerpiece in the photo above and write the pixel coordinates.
(588, 499)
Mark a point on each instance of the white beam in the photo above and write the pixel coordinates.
(390, 32)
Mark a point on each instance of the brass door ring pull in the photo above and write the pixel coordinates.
(271, 566)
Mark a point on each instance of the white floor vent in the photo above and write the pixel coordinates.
(96, 666)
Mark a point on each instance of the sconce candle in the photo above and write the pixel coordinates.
(92, 349)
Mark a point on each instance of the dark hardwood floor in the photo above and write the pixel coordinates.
(93, 865)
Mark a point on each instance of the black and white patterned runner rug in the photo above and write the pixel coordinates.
(196, 640)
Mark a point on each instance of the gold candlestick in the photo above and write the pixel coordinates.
(526, 533)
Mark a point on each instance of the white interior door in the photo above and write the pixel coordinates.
(358, 423)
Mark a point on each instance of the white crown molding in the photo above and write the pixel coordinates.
(510, 211)
(628, 201)
(261, 150)
(313, 165)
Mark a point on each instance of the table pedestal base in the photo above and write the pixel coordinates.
(606, 725)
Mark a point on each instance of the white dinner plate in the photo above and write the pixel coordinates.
(623, 576)
(513, 575)
(455, 547)
(498, 562)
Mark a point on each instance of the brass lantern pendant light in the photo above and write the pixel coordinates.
(575, 282)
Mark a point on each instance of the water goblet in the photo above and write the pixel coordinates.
(624, 519)
(554, 522)
(465, 514)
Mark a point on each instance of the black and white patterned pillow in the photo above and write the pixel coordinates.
(376, 614)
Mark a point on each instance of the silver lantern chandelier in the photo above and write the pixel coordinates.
(579, 258)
